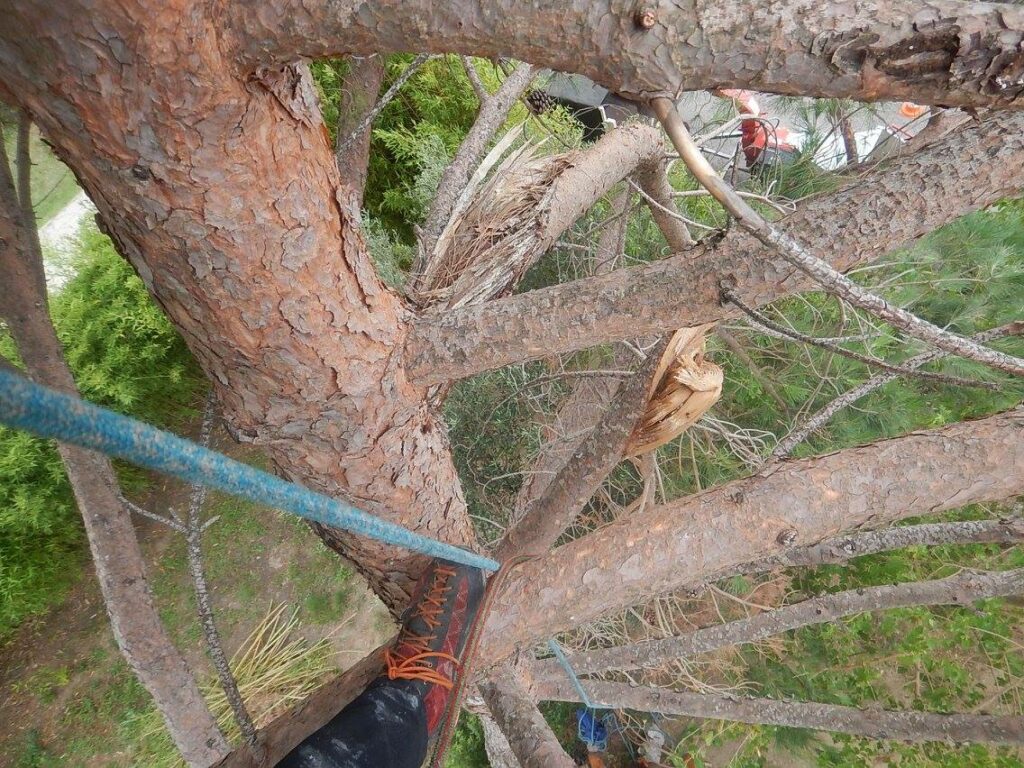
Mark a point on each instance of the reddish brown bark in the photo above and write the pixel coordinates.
(224, 195)
(795, 503)
(928, 51)
(970, 168)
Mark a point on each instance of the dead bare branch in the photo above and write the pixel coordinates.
(761, 320)
(963, 588)
(872, 723)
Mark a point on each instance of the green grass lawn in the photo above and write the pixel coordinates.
(53, 184)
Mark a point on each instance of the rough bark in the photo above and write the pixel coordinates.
(796, 503)
(872, 723)
(224, 195)
(578, 480)
(963, 589)
(120, 569)
(841, 549)
(499, 751)
(970, 168)
(531, 738)
(652, 179)
(493, 112)
(359, 91)
(928, 51)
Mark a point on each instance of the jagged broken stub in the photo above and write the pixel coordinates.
(940, 54)
(685, 385)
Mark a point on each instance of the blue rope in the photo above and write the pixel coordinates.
(48, 413)
(560, 656)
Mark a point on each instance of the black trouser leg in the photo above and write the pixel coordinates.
(385, 727)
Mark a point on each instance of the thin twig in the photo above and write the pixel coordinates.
(899, 370)
(384, 100)
(143, 512)
(821, 272)
(193, 541)
(813, 423)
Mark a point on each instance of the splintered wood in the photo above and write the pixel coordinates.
(682, 390)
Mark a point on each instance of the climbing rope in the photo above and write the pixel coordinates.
(47, 413)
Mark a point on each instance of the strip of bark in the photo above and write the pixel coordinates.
(972, 167)
(529, 735)
(927, 51)
(796, 503)
(962, 589)
(120, 569)
(871, 723)
(842, 549)
(359, 91)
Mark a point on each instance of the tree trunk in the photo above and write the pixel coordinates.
(928, 51)
(970, 168)
(227, 201)
(120, 570)
(798, 502)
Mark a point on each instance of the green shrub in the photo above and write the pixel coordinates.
(125, 355)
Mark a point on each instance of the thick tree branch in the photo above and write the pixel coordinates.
(972, 167)
(359, 91)
(807, 261)
(872, 723)
(796, 503)
(928, 51)
(962, 589)
(529, 735)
